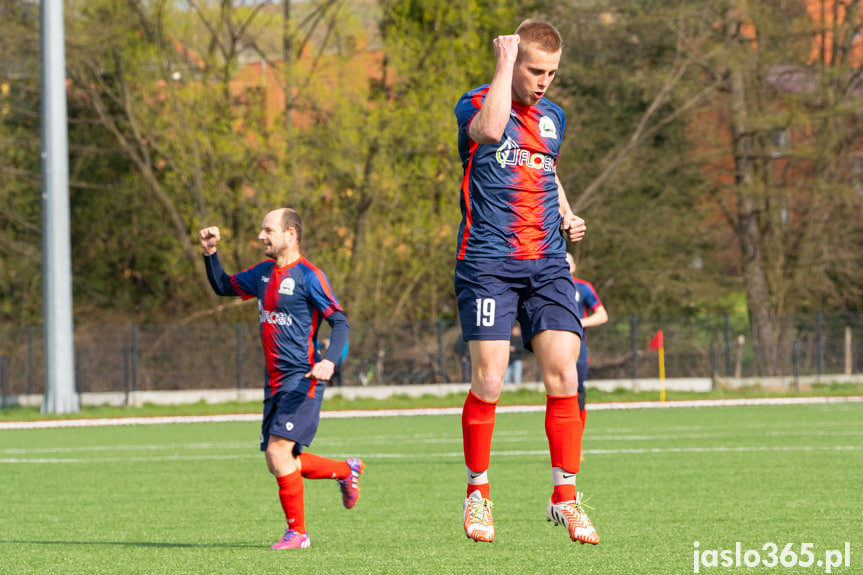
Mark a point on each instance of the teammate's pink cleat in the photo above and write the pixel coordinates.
(350, 486)
(293, 540)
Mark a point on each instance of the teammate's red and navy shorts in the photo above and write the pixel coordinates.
(292, 415)
(492, 294)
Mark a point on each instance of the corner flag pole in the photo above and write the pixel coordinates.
(59, 395)
(657, 343)
(661, 374)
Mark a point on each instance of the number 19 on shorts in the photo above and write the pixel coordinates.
(485, 312)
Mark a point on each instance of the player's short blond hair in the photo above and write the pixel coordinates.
(541, 34)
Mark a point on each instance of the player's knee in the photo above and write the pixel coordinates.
(561, 382)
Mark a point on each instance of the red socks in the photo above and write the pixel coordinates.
(477, 425)
(291, 491)
(317, 467)
(563, 427)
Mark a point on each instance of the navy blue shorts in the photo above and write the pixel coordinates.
(492, 294)
(291, 415)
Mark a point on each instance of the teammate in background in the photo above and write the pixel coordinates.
(293, 296)
(592, 312)
(511, 266)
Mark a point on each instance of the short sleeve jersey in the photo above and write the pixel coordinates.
(585, 297)
(292, 301)
(509, 198)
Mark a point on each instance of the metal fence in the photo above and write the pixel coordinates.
(158, 357)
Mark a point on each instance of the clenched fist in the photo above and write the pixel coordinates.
(209, 238)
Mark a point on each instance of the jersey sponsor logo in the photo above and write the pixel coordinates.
(510, 154)
(274, 317)
(547, 128)
(289, 426)
(287, 286)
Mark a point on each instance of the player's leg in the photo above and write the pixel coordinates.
(554, 351)
(556, 354)
(290, 421)
(347, 472)
(550, 324)
(487, 299)
(283, 464)
(488, 359)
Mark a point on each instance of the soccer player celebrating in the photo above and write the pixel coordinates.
(293, 296)
(511, 265)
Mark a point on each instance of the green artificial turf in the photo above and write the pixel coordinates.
(196, 498)
(512, 395)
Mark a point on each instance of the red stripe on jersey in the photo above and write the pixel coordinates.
(529, 197)
(529, 236)
(268, 332)
(326, 287)
(244, 295)
(465, 197)
(477, 98)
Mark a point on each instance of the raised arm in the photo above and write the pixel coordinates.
(209, 238)
(488, 125)
(220, 281)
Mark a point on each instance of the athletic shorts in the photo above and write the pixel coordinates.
(492, 294)
(291, 415)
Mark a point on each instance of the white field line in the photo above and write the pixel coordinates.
(355, 413)
(448, 454)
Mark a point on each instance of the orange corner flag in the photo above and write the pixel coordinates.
(656, 342)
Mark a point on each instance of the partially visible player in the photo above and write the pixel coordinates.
(293, 297)
(592, 312)
(511, 265)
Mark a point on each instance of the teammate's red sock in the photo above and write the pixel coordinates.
(291, 492)
(583, 414)
(563, 430)
(317, 467)
(477, 425)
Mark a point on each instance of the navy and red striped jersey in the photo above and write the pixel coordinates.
(292, 301)
(509, 197)
(586, 298)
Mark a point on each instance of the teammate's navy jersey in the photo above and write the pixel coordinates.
(585, 297)
(292, 301)
(509, 197)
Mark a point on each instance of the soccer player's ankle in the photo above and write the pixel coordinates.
(484, 490)
(563, 493)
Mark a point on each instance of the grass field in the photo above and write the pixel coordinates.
(196, 498)
(513, 395)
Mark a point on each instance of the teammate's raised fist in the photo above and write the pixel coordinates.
(209, 238)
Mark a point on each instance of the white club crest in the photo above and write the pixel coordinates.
(287, 286)
(547, 128)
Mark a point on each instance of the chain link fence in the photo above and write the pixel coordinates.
(160, 357)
